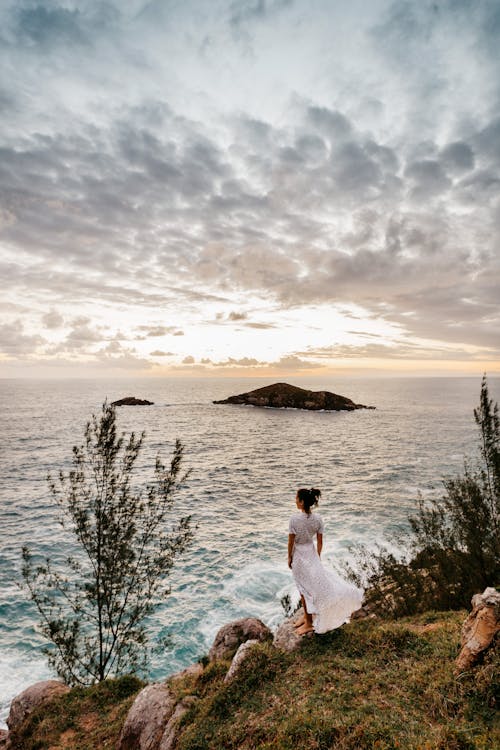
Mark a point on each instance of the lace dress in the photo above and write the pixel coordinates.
(329, 599)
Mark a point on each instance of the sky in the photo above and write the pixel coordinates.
(249, 187)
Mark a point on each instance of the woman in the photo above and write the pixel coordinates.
(328, 601)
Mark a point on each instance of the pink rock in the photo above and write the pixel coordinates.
(286, 637)
(24, 703)
(479, 629)
(170, 735)
(194, 670)
(238, 659)
(146, 721)
(231, 636)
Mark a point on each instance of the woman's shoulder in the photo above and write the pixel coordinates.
(317, 520)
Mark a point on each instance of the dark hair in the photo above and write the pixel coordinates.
(309, 498)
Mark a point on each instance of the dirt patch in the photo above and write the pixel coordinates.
(429, 628)
(66, 741)
(89, 722)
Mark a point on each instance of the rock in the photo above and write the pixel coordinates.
(169, 739)
(132, 401)
(286, 637)
(239, 658)
(231, 636)
(147, 719)
(24, 703)
(362, 613)
(3, 738)
(194, 670)
(282, 395)
(479, 629)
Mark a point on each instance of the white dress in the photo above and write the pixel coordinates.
(329, 599)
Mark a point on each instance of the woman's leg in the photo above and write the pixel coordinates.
(307, 625)
(302, 620)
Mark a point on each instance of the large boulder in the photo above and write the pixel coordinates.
(152, 722)
(232, 635)
(171, 732)
(479, 629)
(238, 659)
(147, 718)
(3, 738)
(24, 703)
(285, 396)
(286, 637)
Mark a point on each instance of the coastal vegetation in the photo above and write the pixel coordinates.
(371, 684)
(93, 605)
(452, 549)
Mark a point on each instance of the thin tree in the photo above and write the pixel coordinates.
(94, 605)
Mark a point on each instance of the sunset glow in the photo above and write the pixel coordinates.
(249, 188)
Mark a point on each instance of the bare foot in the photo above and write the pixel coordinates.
(305, 628)
(299, 623)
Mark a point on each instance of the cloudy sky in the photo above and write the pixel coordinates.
(249, 187)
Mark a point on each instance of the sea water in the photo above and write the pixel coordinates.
(246, 464)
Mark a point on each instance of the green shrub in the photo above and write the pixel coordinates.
(453, 546)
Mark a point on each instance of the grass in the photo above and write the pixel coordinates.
(369, 685)
(83, 719)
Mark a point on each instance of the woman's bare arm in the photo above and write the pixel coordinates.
(319, 538)
(291, 542)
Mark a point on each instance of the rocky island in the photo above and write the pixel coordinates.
(285, 396)
(132, 401)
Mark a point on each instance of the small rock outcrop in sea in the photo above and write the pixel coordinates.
(132, 401)
(231, 636)
(480, 628)
(285, 396)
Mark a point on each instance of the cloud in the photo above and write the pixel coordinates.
(402, 351)
(289, 362)
(116, 356)
(237, 316)
(457, 157)
(45, 26)
(275, 237)
(236, 167)
(14, 342)
(242, 317)
(159, 353)
(52, 320)
(82, 334)
(157, 331)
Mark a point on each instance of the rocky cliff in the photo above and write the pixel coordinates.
(372, 683)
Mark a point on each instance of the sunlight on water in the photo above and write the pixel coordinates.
(246, 464)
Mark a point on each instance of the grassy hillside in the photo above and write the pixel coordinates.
(368, 685)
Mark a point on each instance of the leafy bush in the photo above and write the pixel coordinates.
(453, 546)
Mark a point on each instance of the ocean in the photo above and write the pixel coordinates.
(246, 465)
